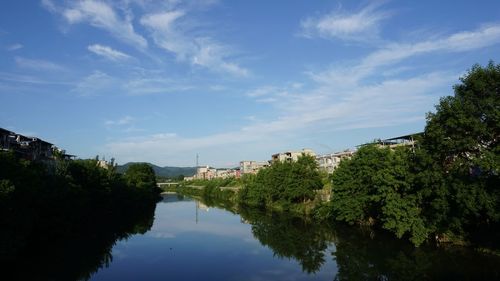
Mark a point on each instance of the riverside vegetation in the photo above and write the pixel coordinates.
(445, 189)
(67, 215)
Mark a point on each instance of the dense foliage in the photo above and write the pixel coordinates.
(462, 140)
(446, 187)
(43, 205)
(375, 186)
(283, 183)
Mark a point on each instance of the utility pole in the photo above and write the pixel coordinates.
(197, 158)
(197, 211)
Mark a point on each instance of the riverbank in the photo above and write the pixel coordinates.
(68, 215)
(310, 211)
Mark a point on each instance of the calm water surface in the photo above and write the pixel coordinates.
(191, 241)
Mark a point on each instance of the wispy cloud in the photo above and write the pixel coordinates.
(101, 15)
(262, 91)
(108, 52)
(141, 82)
(125, 124)
(169, 34)
(36, 64)
(394, 53)
(162, 21)
(354, 97)
(126, 120)
(358, 26)
(49, 5)
(27, 79)
(171, 30)
(154, 85)
(97, 83)
(14, 47)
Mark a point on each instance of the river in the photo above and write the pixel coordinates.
(192, 241)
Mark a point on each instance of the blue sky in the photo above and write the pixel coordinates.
(159, 81)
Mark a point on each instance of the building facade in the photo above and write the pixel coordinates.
(291, 156)
(329, 162)
(252, 167)
(30, 148)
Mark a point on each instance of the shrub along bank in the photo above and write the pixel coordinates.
(67, 199)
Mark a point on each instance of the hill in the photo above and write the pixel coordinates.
(163, 171)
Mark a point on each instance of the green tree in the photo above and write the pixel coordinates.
(283, 183)
(462, 138)
(375, 187)
(141, 175)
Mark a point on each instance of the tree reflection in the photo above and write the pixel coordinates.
(363, 253)
(74, 250)
(289, 237)
(362, 256)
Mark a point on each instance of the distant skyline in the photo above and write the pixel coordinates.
(160, 81)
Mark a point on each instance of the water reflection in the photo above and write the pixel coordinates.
(290, 237)
(192, 240)
(361, 254)
(69, 250)
(172, 197)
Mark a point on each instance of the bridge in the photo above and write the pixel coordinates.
(160, 184)
(169, 184)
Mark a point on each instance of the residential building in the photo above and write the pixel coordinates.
(208, 173)
(227, 173)
(291, 156)
(329, 162)
(252, 167)
(205, 173)
(30, 148)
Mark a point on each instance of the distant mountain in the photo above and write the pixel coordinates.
(163, 171)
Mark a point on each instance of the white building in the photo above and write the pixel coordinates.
(291, 156)
(208, 173)
(329, 162)
(205, 173)
(252, 167)
(227, 173)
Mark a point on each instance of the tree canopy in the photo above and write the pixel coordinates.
(284, 182)
(448, 186)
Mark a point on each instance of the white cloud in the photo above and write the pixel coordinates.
(262, 91)
(126, 120)
(14, 47)
(100, 15)
(368, 107)
(95, 84)
(353, 97)
(154, 85)
(394, 53)
(212, 55)
(49, 5)
(162, 21)
(169, 34)
(108, 52)
(168, 30)
(26, 79)
(360, 26)
(141, 82)
(37, 64)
